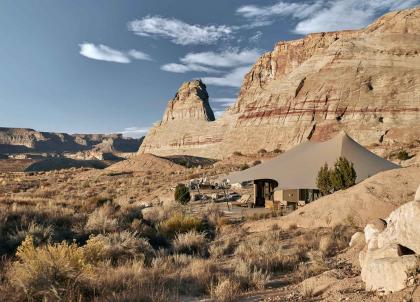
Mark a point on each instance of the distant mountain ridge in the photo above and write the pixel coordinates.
(366, 82)
(25, 140)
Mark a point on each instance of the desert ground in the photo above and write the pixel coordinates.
(116, 234)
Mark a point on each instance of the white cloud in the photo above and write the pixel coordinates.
(223, 102)
(218, 113)
(281, 8)
(205, 61)
(181, 68)
(178, 31)
(105, 53)
(228, 58)
(135, 132)
(231, 79)
(349, 14)
(139, 55)
(324, 15)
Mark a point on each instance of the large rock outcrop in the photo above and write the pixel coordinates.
(390, 260)
(364, 81)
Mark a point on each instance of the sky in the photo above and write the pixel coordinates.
(107, 66)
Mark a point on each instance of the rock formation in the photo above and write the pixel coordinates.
(20, 140)
(364, 81)
(390, 260)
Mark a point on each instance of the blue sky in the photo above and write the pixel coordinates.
(101, 66)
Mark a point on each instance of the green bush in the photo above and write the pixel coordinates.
(182, 194)
(403, 155)
(341, 177)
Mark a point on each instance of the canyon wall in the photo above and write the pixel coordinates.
(22, 140)
(366, 82)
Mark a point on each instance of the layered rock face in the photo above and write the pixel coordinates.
(366, 82)
(20, 140)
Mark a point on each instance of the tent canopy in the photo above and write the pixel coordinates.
(298, 168)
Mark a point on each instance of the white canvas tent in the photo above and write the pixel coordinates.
(298, 168)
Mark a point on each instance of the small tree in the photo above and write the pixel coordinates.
(323, 180)
(344, 175)
(341, 177)
(182, 194)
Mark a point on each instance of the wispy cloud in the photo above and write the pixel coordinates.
(323, 15)
(209, 61)
(139, 55)
(223, 102)
(105, 53)
(256, 37)
(178, 31)
(349, 14)
(181, 68)
(232, 79)
(135, 132)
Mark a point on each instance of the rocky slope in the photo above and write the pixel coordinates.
(364, 81)
(20, 140)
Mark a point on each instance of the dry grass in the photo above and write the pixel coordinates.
(227, 290)
(192, 243)
(268, 253)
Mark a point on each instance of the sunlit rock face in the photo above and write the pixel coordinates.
(365, 81)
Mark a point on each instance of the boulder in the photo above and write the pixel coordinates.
(417, 197)
(390, 250)
(372, 231)
(388, 274)
(403, 227)
(357, 238)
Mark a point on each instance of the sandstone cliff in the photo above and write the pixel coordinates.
(365, 81)
(20, 140)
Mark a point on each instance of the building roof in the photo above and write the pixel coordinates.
(298, 168)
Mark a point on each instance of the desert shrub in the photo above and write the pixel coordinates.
(335, 240)
(40, 234)
(323, 180)
(227, 290)
(119, 246)
(191, 242)
(277, 151)
(128, 214)
(250, 277)
(244, 167)
(132, 282)
(198, 276)
(213, 214)
(101, 219)
(182, 194)
(262, 151)
(403, 155)
(268, 254)
(307, 270)
(92, 203)
(48, 270)
(237, 153)
(222, 247)
(256, 163)
(179, 223)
